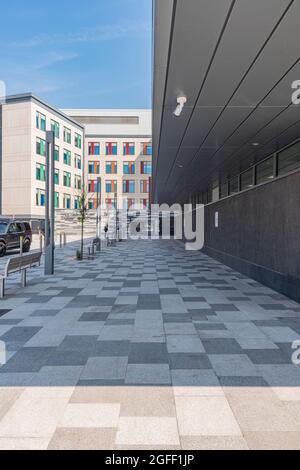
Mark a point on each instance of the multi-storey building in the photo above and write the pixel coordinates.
(24, 120)
(118, 156)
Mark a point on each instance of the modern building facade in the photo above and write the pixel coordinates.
(118, 156)
(235, 146)
(24, 121)
(105, 151)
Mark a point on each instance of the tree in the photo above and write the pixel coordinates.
(83, 208)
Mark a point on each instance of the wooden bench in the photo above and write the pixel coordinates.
(19, 264)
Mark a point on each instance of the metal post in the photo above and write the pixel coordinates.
(49, 209)
(21, 246)
(98, 235)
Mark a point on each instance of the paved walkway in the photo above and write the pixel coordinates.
(148, 346)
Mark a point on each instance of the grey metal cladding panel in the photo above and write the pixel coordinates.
(173, 127)
(279, 54)
(249, 26)
(230, 120)
(184, 158)
(198, 25)
(200, 124)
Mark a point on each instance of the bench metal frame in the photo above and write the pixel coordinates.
(19, 264)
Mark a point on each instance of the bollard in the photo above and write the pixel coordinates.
(41, 241)
(64, 238)
(21, 245)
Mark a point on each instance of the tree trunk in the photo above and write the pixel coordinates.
(81, 246)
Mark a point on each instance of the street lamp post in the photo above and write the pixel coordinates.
(98, 217)
(49, 204)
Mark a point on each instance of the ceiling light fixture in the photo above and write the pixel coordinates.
(180, 166)
(181, 100)
(255, 144)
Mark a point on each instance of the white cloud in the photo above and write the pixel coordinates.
(53, 58)
(107, 32)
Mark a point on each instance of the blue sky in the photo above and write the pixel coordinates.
(87, 53)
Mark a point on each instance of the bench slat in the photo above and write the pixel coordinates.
(22, 262)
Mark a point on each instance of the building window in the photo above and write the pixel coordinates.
(247, 180)
(77, 202)
(40, 121)
(128, 148)
(94, 148)
(67, 201)
(111, 168)
(77, 162)
(78, 141)
(40, 172)
(56, 177)
(111, 186)
(94, 168)
(67, 135)
(92, 186)
(289, 159)
(110, 203)
(128, 186)
(144, 186)
(146, 168)
(234, 185)
(67, 179)
(56, 153)
(129, 168)
(223, 191)
(129, 204)
(77, 182)
(67, 157)
(92, 204)
(111, 148)
(40, 197)
(265, 171)
(144, 203)
(56, 200)
(146, 149)
(40, 147)
(55, 128)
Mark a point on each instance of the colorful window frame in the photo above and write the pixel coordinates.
(94, 148)
(111, 168)
(129, 168)
(111, 148)
(128, 148)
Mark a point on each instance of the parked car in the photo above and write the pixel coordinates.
(11, 232)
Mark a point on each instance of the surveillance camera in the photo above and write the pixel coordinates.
(181, 100)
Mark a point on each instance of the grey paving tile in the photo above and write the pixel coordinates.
(233, 365)
(27, 360)
(221, 346)
(189, 361)
(107, 368)
(148, 353)
(148, 374)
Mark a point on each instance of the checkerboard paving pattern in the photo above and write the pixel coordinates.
(146, 345)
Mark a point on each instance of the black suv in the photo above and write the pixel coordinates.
(11, 232)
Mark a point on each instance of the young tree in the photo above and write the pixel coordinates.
(83, 208)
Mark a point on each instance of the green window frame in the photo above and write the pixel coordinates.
(56, 153)
(67, 157)
(55, 126)
(67, 179)
(40, 147)
(67, 135)
(56, 177)
(78, 141)
(40, 172)
(40, 121)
